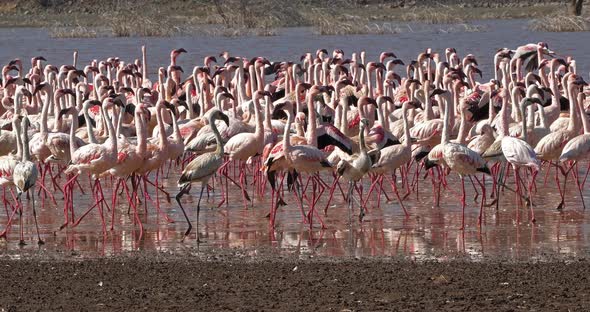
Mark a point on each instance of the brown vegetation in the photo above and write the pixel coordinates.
(255, 17)
(560, 23)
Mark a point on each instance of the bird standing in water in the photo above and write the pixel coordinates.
(202, 168)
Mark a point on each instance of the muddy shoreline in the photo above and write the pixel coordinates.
(264, 281)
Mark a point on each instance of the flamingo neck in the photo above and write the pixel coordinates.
(504, 117)
(17, 130)
(362, 144)
(287, 133)
(380, 116)
(144, 63)
(462, 137)
(73, 128)
(267, 115)
(446, 121)
(516, 111)
(25, 142)
(523, 123)
(429, 113)
(218, 140)
(189, 100)
(45, 110)
(140, 128)
(407, 139)
(255, 81)
(312, 138)
(574, 122)
(112, 140)
(162, 129)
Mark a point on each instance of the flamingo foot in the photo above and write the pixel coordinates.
(22, 243)
(560, 206)
(63, 225)
(406, 195)
(493, 202)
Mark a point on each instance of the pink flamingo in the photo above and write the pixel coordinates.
(244, 146)
(300, 158)
(93, 159)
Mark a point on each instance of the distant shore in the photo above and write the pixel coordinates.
(124, 18)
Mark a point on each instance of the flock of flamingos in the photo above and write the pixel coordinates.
(307, 127)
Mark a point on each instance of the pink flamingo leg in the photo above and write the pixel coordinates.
(463, 195)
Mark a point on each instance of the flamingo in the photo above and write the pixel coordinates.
(551, 146)
(578, 148)
(394, 157)
(25, 176)
(356, 166)
(244, 146)
(202, 168)
(520, 154)
(7, 165)
(459, 158)
(93, 159)
(299, 158)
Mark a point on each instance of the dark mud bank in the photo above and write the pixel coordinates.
(153, 281)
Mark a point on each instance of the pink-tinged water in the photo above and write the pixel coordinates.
(427, 233)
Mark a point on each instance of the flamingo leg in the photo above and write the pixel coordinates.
(184, 190)
(39, 241)
(462, 203)
(393, 181)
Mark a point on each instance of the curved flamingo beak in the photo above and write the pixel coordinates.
(39, 87)
(224, 117)
(229, 96)
(64, 112)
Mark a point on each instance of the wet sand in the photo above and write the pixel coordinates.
(249, 281)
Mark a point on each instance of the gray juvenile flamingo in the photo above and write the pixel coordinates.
(202, 168)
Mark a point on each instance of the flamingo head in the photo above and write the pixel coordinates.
(38, 58)
(175, 53)
(209, 59)
(16, 62)
(437, 91)
(70, 110)
(40, 87)
(471, 58)
(27, 94)
(285, 106)
(216, 114)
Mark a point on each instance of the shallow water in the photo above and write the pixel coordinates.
(427, 233)
(291, 43)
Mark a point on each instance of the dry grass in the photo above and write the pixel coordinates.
(328, 22)
(128, 25)
(560, 23)
(439, 15)
(463, 27)
(73, 32)
(222, 31)
(7, 6)
(232, 18)
(256, 14)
